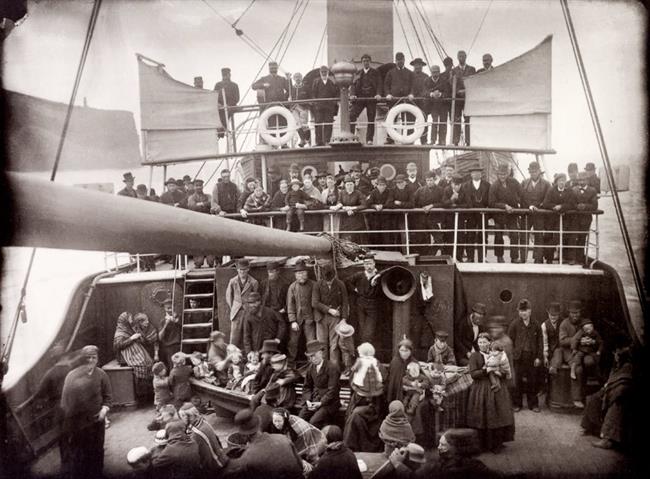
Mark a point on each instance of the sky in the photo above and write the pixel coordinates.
(191, 39)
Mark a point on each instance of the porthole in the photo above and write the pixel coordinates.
(505, 296)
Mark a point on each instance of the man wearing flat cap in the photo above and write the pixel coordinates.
(533, 193)
(300, 311)
(366, 90)
(559, 199)
(228, 90)
(568, 329)
(85, 401)
(224, 195)
(586, 202)
(528, 356)
(201, 203)
(174, 195)
(324, 111)
(128, 190)
(505, 194)
(467, 331)
(238, 288)
(398, 84)
(438, 89)
(260, 323)
(550, 338)
(320, 394)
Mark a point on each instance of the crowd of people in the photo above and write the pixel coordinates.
(433, 93)
(359, 199)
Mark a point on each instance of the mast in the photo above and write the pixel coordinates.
(638, 283)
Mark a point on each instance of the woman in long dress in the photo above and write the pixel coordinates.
(132, 343)
(488, 410)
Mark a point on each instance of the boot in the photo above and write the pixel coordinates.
(301, 134)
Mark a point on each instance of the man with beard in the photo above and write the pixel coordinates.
(238, 288)
(260, 323)
(366, 90)
(228, 90)
(224, 195)
(300, 111)
(467, 332)
(300, 311)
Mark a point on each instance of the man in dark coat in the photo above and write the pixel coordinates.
(265, 370)
(592, 178)
(324, 87)
(452, 198)
(586, 198)
(461, 71)
(438, 89)
(338, 461)
(180, 458)
(361, 182)
(467, 332)
(271, 456)
(320, 393)
(380, 197)
(568, 329)
(274, 290)
(528, 354)
(559, 199)
(224, 195)
(402, 199)
(418, 90)
(476, 194)
(85, 401)
(366, 89)
(173, 196)
(300, 91)
(230, 90)
(300, 311)
(398, 83)
(487, 63)
(200, 202)
(428, 197)
(260, 323)
(505, 194)
(533, 192)
(365, 285)
(330, 303)
(275, 88)
(128, 190)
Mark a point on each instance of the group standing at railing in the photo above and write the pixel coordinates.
(444, 214)
(440, 95)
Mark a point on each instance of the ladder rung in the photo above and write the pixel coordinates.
(197, 310)
(200, 280)
(199, 295)
(196, 341)
(197, 325)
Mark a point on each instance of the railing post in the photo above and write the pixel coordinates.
(455, 235)
(137, 262)
(561, 236)
(406, 232)
(483, 237)
(597, 231)
(271, 221)
(331, 215)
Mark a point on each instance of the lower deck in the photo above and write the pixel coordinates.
(547, 444)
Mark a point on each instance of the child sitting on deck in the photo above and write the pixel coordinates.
(201, 369)
(179, 379)
(440, 352)
(414, 385)
(236, 370)
(366, 376)
(497, 366)
(585, 343)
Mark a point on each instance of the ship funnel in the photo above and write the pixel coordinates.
(398, 283)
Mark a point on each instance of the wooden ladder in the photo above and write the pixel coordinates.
(198, 321)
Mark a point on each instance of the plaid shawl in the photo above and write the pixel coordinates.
(131, 352)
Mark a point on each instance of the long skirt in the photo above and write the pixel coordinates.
(490, 412)
(361, 432)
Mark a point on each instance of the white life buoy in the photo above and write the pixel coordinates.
(391, 127)
(276, 136)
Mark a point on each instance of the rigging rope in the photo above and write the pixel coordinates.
(234, 24)
(20, 309)
(434, 38)
(638, 281)
(320, 44)
(399, 18)
(479, 27)
(286, 49)
(417, 34)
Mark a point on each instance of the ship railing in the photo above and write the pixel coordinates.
(451, 236)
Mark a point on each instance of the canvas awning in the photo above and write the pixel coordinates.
(178, 121)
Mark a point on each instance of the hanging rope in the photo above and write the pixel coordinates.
(320, 45)
(638, 281)
(479, 27)
(20, 309)
(294, 31)
(417, 34)
(234, 24)
(434, 38)
(399, 18)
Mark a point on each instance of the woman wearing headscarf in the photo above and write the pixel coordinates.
(308, 440)
(488, 410)
(397, 369)
(395, 430)
(338, 461)
(130, 344)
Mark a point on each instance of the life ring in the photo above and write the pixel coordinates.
(391, 128)
(388, 171)
(279, 136)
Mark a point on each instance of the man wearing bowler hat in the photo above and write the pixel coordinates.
(366, 90)
(438, 89)
(274, 290)
(128, 190)
(466, 333)
(550, 338)
(559, 199)
(201, 203)
(330, 302)
(505, 194)
(476, 194)
(174, 196)
(592, 178)
(270, 347)
(237, 289)
(533, 192)
(324, 111)
(300, 311)
(320, 394)
(397, 84)
(418, 90)
(260, 323)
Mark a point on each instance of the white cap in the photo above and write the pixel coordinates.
(136, 454)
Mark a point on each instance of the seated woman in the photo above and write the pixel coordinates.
(132, 342)
(309, 440)
(489, 410)
(395, 431)
(337, 462)
(607, 413)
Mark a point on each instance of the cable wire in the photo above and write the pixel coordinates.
(234, 24)
(399, 18)
(479, 27)
(320, 44)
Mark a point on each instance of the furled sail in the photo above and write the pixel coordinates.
(510, 105)
(177, 120)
